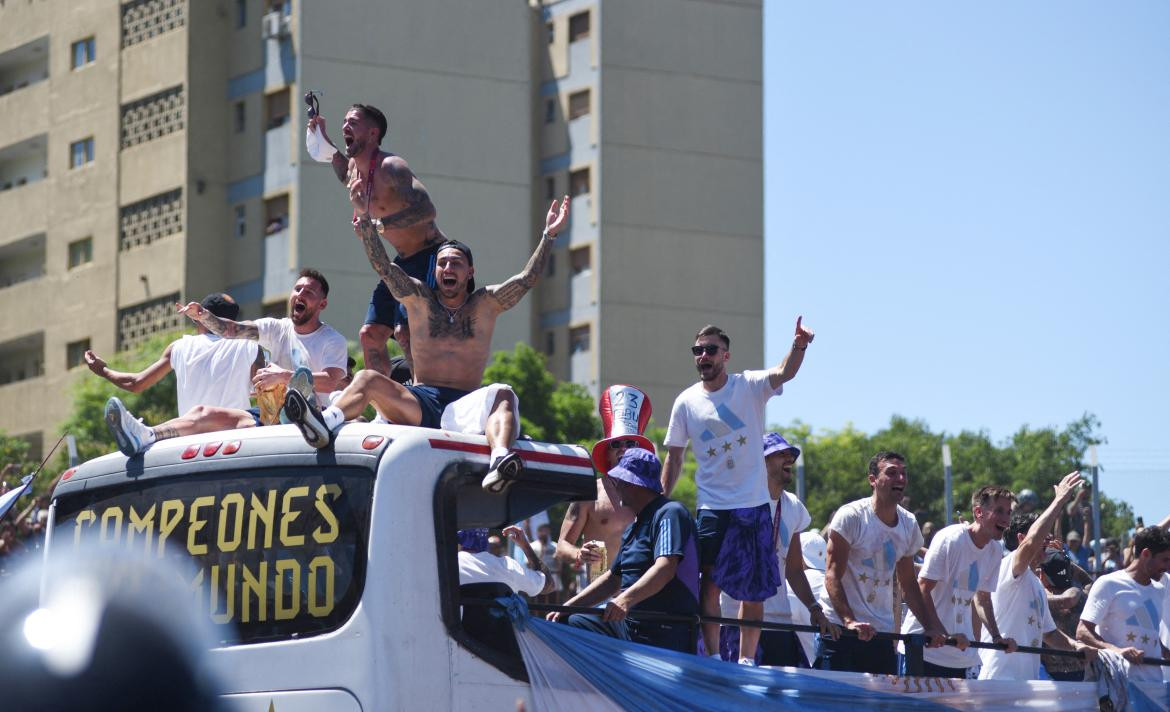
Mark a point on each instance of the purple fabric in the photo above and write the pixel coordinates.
(473, 540)
(747, 568)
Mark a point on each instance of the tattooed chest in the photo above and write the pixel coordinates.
(443, 323)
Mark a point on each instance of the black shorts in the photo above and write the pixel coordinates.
(432, 400)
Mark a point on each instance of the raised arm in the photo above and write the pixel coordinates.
(509, 294)
(517, 535)
(401, 284)
(133, 382)
(339, 162)
(1042, 527)
(226, 328)
(419, 208)
(787, 369)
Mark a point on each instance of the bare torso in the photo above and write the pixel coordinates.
(450, 347)
(395, 194)
(605, 520)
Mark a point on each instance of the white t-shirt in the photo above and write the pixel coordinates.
(1022, 613)
(488, 568)
(322, 349)
(1128, 615)
(874, 551)
(961, 569)
(726, 432)
(213, 371)
(794, 518)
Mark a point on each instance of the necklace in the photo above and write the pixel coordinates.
(452, 313)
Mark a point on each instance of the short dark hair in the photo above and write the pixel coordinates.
(1020, 524)
(375, 115)
(314, 274)
(884, 455)
(1156, 539)
(710, 330)
(987, 494)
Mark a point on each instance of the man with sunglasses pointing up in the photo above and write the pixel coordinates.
(722, 417)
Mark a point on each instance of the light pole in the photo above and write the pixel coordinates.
(950, 509)
(1096, 502)
(800, 491)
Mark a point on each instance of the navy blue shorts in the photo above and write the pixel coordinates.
(255, 413)
(432, 400)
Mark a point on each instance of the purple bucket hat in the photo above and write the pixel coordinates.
(639, 467)
(473, 540)
(775, 442)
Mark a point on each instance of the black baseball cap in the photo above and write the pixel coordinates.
(1058, 568)
(221, 305)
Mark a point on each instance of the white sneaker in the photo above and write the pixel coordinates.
(307, 417)
(301, 382)
(506, 470)
(747, 662)
(129, 432)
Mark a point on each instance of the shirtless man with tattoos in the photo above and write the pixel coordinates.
(450, 344)
(384, 189)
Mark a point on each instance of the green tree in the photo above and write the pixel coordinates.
(550, 411)
(15, 460)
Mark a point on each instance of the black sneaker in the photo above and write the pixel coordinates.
(307, 417)
(507, 469)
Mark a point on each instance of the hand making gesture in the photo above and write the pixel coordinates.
(555, 220)
(804, 335)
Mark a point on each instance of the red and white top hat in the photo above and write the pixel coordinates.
(625, 413)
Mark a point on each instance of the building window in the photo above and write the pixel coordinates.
(241, 221)
(241, 14)
(579, 339)
(579, 26)
(277, 108)
(580, 259)
(550, 342)
(275, 214)
(138, 323)
(550, 110)
(151, 219)
(152, 117)
(146, 19)
(550, 188)
(75, 353)
(80, 252)
(81, 152)
(84, 52)
(241, 117)
(579, 182)
(578, 103)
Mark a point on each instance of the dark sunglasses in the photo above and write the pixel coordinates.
(709, 349)
(618, 444)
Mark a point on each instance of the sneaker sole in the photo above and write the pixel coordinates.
(126, 443)
(498, 479)
(298, 412)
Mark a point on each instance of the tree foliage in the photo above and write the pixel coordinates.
(551, 411)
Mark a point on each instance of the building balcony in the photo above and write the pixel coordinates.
(278, 275)
(22, 261)
(22, 359)
(278, 168)
(25, 209)
(28, 112)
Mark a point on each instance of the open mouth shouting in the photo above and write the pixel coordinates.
(298, 309)
(448, 281)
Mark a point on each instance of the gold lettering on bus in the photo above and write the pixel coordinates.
(114, 515)
(236, 522)
(284, 613)
(84, 517)
(253, 586)
(170, 514)
(324, 608)
(229, 595)
(194, 524)
(266, 513)
(288, 516)
(143, 525)
(329, 536)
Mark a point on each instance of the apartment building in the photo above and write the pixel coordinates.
(151, 152)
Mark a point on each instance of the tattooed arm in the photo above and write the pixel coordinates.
(401, 284)
(220, 327)
(419, 208)
(341, 167)
(509, 294)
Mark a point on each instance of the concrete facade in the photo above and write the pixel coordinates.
(169, 135)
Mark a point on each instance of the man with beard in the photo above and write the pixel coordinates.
(962, 568)
(871, 542)
(789, 519)
(300, 339)
(384, 189)
(625, 413)
(722, 416)
(450, 346)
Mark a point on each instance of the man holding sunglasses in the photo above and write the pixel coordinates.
(722, 416)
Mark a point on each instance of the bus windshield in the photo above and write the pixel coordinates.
(278, 552)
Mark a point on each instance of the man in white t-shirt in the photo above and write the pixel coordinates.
(212, 379)
(789, 519)
(962, 568)
(722, 416)
(871, 543)
(1019, 599)
(1124, 610)
(301, 339)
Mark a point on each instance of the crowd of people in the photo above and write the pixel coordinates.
(747, 553)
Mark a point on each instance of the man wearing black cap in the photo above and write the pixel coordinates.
(657, 568)
(450, 345)
(214, 378)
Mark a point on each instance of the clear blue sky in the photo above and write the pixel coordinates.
(970, 203)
